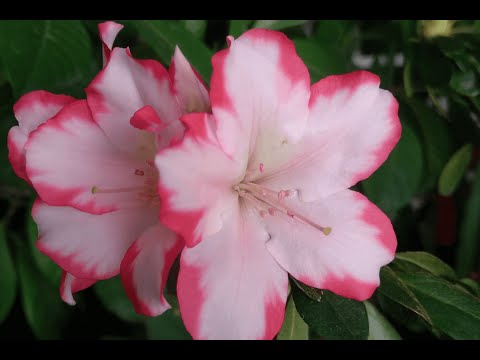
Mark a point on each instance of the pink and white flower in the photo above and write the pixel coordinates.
(259, 189)
(91, 163)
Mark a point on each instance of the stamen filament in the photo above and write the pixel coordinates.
(97, 190)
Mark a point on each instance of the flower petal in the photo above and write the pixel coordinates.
(195, 181)
(70, 284)
(124, 86)
(108, 32)
(145, 269)
(31, 110)
(85, 245)
(189, 88)
(259, 94)
(69, 158)
(229, 286)
(348, 260)
(352, 128)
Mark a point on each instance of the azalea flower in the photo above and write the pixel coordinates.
(91, 163)
(259, 189)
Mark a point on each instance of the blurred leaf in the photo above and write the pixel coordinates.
(320, 60)
(427, 262)
(277, 24)
(394, 288)
(454, 170)
(293, 328)
(332, 316)
(164, 35)
(112, 295)
(238, 27)
(8, 280)
(465, 83)
(429, 66)
(196, 27)
(378, 327)
(55, 55)
(407, 79)
(472, 285)
(45, 312)
(452, 311)
(468, 241)
(398, 179)
(168, 326)
(51, 271)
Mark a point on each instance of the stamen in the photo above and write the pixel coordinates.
(97, 190)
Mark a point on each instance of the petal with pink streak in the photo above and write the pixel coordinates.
(70, 162)
(145, 269)
(70, 284)
(31, 110)
(108, 31)
(352, 128)
(124, 86)
(189, 88)
(85, 245)
(195, 181)
(229, 286)
(347, 261)
(259, 94)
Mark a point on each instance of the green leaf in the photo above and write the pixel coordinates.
(163, 35)
(196, 27)
(427, 262)
(465, 82)
(453, 311)
(468, 242)
(320, 60)
(55, 55)
(454, 170)
(472, 285)
(8, 280)
(51, 271)
(238, 27)
(293, 328)
(168, 326)
(45, 312)
(277, 24)
(333, 317)
(379, 328)
(394, 288)
(393, 185)
(407, 79)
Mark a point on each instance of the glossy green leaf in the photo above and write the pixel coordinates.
(238, 27)
(398, 179)
(332, 317)
(379, 328)
(45, 312)
(277, 24)
(454, 170)
(54, 55)
(112, 295)
(472, 285)
(427, 262)
(453, 311)
(168, 326)
(395, 289)
(8, 280)
(293, 328)
(468, 243)
(164, 35)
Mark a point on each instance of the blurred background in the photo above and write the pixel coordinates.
(429, 186)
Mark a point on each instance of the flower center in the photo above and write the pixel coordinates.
(146, 193)
(270, 202)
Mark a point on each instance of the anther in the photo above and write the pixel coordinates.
(327, 230)
(139, 172)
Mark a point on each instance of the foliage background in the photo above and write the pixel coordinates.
(430, 185)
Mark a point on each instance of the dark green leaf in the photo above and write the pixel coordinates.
(398, 179)
(112, 295)
(468, 243)
(164, 35)
(392, 287)
(293, 328)
(45, 312)
(453, 311)
(379, 328)
(54, 55)
(238, 27)
(465, 82)
(427, 262)
(472, 285)
(277, 24)
(168, 326)
(196, 27)
(8, 280)
(332, 316)
(454, 170)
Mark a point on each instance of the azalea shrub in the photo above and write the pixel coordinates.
(240, 179)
